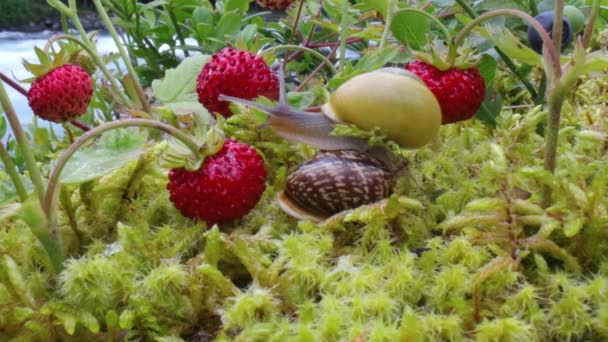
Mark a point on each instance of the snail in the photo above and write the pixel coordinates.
(334, 181)
(347, 173)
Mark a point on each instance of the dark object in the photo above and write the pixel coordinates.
(334, 181)
(546, 20)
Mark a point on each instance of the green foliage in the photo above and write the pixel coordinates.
(464, 249)
(15, 12)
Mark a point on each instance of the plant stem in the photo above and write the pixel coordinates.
(558, 25)
(13, 84)
(28, 155)
(548, 43)
(49, 196)
(12, 172)
(303, 49)
(178, 32)
(123, 53)
(390, 12)
(314, 72)
(551, 139)
(344, 35)
(595, 7)
(80, 125)
(348, 42)
(296, 23)
(90, 49)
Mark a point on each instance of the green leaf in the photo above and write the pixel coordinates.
(596, 61)
(114, 150)
(487, 68)
(378, 5)
(508, 43)
(490, 107)
(127, 319)
(2, 124)
(573, 225)
(179, 84)
(228, 26)
(410, 28)
(32, 214)
(232, 5)
(43, 57)
(89, 321)
(373, 60)
(69, 324)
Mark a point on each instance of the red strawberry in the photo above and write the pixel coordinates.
(274, 4)
(62, 94)
(226, 187)
(236, 73)
(460, 92)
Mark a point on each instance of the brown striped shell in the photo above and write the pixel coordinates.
(334, 181)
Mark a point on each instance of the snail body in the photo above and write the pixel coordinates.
(397, 102)
(334, 181)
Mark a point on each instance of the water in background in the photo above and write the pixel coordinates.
(15, 46)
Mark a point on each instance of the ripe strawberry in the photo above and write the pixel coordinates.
(62, 94)
(226, 187)
(236, 73)
(274, 4)
(460, 92)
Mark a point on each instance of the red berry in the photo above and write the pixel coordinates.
(61, 95)
(226, 187)
(236, 73)
(459, 92)
(274, 4)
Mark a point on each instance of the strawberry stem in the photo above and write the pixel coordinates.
(108, 23)
(88, 46)
(295, 23)
(80, 125)
(553, 55)
(510, 64)
(390, 12)
(13, 84)
(24, 144)
(344, 33)
(302, 49)
(53, 183)
(558, 24)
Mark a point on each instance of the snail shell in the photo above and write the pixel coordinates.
(398, 103)
(334, 181)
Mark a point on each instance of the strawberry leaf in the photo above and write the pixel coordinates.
(487, 68)
(596, 62)
(43, 57)
(232, 5)
(178, 88)
(508, 43)
(410, 28)
(114, 150)
(378, 5)
(490, 107)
